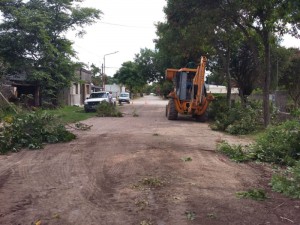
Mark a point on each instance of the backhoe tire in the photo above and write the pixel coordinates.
(171, 111)
(167, 110)
(202, 118)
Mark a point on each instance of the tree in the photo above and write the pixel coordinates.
(96, 75)
(129, 76)
(32, 40)
(243, 71)
(257, 20)
(147, 65)
(260, 19)
(291, 77)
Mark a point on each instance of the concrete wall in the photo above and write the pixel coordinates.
(114, 88)
(219, 89)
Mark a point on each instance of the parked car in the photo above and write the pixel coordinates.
(91, 103)
(124, 97)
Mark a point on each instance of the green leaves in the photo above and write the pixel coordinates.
(32, 39)
(129, 75)
(288, 182)
(32, 130)
(255, 194)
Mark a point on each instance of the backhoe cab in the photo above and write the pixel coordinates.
(189, 95)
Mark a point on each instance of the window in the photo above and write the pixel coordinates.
(75, 88)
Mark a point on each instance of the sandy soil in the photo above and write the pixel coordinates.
(130, 171)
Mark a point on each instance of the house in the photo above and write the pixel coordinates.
(17, 85)
(79, 90)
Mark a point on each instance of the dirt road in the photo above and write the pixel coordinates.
(131, 170)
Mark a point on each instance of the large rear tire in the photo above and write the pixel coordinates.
(202, 118)
(171, 111)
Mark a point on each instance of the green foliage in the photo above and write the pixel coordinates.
(190, 215)
(279, 144)
(236, 120)
(70, 114)
(255, 194)
(186, 159)
(106, 109)
(288, 182)
(31, 130)
(296, 113)
(147, 63)
(218, 105)
(237, 153)
(152, 182)
(129, 75)
(290, 78)
(33, 41)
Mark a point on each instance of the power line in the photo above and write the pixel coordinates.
(123, 25)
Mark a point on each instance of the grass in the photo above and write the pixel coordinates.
(151, 182)
(186, 159)
(71, 114)
(255, 194)
(190, 215)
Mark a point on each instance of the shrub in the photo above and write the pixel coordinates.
(279, 144)
(106, 109)
(218, 105)
(255, 194)
(237, 153)
(288, 181)
(31, 130)
(238, 119)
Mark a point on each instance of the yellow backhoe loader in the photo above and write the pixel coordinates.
(189, 96)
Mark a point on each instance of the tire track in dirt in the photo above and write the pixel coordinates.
(98, 178)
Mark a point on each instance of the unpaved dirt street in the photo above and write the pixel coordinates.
(130, 171)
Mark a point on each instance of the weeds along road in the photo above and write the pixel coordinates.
(137, 170)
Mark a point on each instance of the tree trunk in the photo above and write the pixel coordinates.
(267, 79)
(228, 78)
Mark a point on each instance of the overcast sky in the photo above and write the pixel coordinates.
(126, 27)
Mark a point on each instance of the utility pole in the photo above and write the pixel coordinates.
(103, 68)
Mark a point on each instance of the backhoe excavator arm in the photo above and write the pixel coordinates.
(198, 83)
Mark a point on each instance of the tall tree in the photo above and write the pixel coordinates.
(243, 71)
(96, 75)
(147, 65)
(258, 21)
(291, 77)
(32, 40)
(129, 76)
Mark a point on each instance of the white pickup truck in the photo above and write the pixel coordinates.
(91, 103)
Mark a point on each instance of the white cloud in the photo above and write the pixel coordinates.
(126, 26)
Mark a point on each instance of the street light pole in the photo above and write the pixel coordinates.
(103, 73)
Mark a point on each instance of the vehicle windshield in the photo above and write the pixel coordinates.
(98, 95)
(124, 95)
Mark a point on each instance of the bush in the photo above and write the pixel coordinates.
(238, 119)
(279, 144)
(237, 153)
(106, 109)
(288, 182)
(218, 105)
(31, 130)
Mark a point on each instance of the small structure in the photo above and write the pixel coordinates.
(114, 88)
(79, 90)
(219, 89)
(18, 86)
